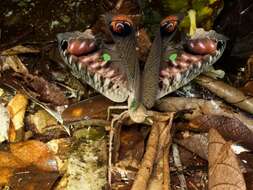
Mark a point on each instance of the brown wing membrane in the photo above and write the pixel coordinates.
(183, 62)
(123, 34)
(151, 73)
(99, 65)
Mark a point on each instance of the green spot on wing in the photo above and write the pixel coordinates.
(172, 57)
(106, 57)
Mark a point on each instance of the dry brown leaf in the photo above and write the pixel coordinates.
(6, 173)
(47, 91)
(8, 163)
(230, 94)
(32, 179)
(229, 128)
(196, 143)
(224, 171)
(9, 160)
(17, 107)
(92, 108)
(248, 88)
(19, 49)
(200, 107)
(35, 153)
(41, 120)
(131, 144)
(14, 63)
(61, 149)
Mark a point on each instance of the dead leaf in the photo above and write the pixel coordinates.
(41, 120)
(196, 143)
(47, 91)
(229, 128)
(9, 160)
(94, 107)
(131, 144)
(248, 88)
(19, 49)
(6, 173)
(32, 179)
(14, 63)
(5, 122)
(224, 171)
(196, 107)
(61, 149)
(35, 153)
(17, 107)
(229, 93)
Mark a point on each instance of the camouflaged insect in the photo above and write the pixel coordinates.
(113, 69)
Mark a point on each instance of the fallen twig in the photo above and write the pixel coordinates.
(120, 118)
(179, 166)
(160, 178)
(148, 160)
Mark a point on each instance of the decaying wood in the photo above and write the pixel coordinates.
(224, 171)
(227, 92)
(200, 107)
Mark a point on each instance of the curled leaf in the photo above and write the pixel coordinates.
(227, 92)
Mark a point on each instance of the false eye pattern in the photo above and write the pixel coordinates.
(121, 28)
(169, 24)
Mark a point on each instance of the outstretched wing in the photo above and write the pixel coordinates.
(182, 62)
(95, 63)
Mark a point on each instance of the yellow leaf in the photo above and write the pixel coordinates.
(17, 107)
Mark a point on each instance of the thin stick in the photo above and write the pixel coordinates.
(122, 116)
(166, 167)
(178, 164)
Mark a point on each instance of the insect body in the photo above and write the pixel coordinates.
(114, 69)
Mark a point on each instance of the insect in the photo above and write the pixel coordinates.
(113, 69)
